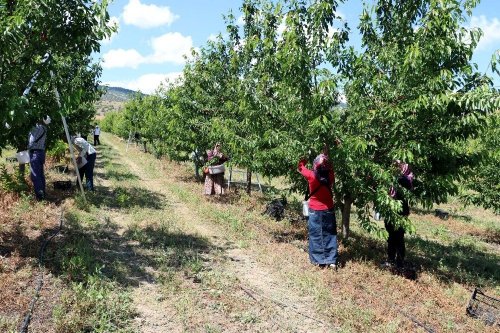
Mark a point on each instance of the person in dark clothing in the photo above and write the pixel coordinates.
(36, 147)
(396, 249)
(97, 132)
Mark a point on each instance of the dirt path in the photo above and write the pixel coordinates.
(256, 299)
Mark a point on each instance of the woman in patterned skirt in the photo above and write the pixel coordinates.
(214, 183)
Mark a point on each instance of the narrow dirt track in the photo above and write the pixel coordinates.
(273, 306)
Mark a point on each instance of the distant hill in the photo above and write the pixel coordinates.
(113, 99)
(117, 94)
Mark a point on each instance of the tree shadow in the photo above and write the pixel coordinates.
(126, 197)
(116, 175)
(85, 250)
(228, 198)
(460, 263)
(422, 211)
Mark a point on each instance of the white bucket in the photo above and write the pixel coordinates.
(305, 208)
(23, 157)
(216, 169)
(83, 161)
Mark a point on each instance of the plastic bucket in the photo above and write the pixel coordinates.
(23, 157)
(305, 208)
(82, 163)
(216, 169)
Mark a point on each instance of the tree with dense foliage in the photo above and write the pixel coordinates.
(413, 95)
(41, 38)
(270, 91)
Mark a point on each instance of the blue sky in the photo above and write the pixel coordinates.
(154, 34)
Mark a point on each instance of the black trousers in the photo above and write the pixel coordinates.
(96, 140)
(395, 243)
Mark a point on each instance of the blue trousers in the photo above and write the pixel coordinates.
(37, 160)
(322, 227)
(88, 171)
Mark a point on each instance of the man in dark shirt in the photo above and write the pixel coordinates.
(36, 146)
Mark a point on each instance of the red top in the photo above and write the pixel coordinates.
(322, 199)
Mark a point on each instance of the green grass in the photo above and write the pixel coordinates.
(93, 301)
(356, 298)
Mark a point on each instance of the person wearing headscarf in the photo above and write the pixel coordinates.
(36, 146)
(322, 225)
(396, 249)
(214, 183)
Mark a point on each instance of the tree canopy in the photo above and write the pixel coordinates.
(47, 45)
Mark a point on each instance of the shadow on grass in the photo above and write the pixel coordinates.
(461, 263)
(421, 211)
(126, 197)
(117, 175)
(84, 250)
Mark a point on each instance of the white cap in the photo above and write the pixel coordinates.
(47, 120)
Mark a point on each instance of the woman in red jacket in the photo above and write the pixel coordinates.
(322, 225)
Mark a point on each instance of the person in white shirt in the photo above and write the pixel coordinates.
(97, 132)
(85, 152)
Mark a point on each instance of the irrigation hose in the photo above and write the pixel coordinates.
(27, 317)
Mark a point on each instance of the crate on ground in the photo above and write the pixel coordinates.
(62, 185)
(484, 307)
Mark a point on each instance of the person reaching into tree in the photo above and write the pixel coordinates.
(395, 242)
(322, 225)
(214, 182)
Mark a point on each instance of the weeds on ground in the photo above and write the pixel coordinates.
(94, 303)
(12, 182)
(8, 325)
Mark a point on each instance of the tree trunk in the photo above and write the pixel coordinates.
(196, 170)
(249, 181)
(22, 170)
(346, 216)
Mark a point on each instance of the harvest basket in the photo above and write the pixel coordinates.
(484, 307)
(216, 169)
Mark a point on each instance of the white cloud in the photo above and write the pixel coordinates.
(490, 28)
(122, 58)
(240, 21)
(332, 32)
(146, 83)
(281, 28)
(170, 47)
(147, 16)
(113, 22)
(212, 37)
(340, 14)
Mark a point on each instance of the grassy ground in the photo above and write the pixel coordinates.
(150, 253)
